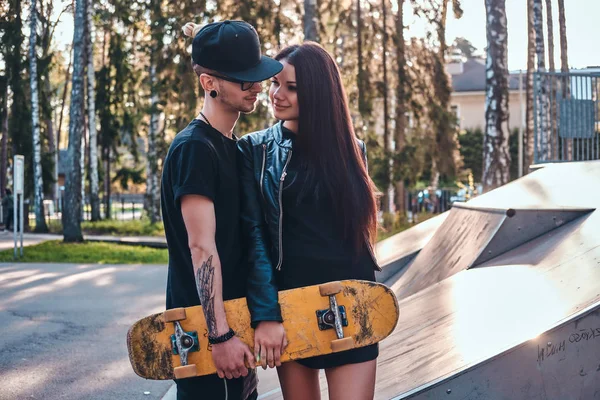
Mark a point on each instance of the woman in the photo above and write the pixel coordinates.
(309, 213)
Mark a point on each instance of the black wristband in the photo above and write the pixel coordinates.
(222, 338)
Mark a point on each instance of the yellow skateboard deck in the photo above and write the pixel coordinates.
(367, 312)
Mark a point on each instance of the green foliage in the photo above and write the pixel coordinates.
(123, 228)
(131, 35)
(464, 47)
(126, 175)
(471, 149)
(398, 222)
(88, 252)
(19, 123)
(115, 227)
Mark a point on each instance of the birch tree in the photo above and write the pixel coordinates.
(311, 31)
(564, 68)
(553, 132)
(529, 87)
(496, 159)
(38, 183)
(562, 23)
(91, 106)
(72, 209)
(156, 47)
(387, 143)
(541, 94)
(153, 188)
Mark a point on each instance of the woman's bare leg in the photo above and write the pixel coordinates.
(299, 382)
(352, 381)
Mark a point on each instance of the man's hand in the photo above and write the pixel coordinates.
(229, 358)
(269, 343)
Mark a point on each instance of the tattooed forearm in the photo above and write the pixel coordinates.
(205, 277)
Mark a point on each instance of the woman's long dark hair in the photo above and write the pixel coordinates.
(328, 143)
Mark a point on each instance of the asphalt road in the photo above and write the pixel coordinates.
(63, 330)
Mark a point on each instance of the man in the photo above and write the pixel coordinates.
(200, 201)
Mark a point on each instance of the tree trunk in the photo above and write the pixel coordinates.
(152, 186)
(529, 126)
(107, 202)
(60, 121)
(542, 92)
(38, 183)
(553, 152)
(361, 73)
(562, 23)
(564, 68)
(52, 147)
(311, 28)
(496, 156)
(4, 132)
(72, 209)
(91, 103)
(388, 198)
(278, 24)
(400, 128)
(564, 61)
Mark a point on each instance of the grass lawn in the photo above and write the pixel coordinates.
(113, 227)
(88, 252)
(401, 225)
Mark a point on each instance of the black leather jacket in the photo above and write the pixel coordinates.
(264, 156)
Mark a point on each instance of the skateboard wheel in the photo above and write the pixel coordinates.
(330, 288)
(176, 314)
(187, 371)
(343, 344)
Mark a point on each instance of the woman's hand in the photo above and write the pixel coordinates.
(269, 343)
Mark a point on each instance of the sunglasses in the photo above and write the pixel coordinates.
(245, 86)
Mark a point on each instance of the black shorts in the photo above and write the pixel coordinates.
(354, 356)
(211, 387)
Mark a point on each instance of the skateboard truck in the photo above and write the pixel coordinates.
(335, 317)
(184, 342)
(327, 318)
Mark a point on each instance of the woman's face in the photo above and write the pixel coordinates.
(283, 94)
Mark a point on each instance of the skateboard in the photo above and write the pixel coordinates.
(318, 320)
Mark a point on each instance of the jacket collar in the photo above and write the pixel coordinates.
(281, 139)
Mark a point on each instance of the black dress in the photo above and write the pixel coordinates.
(315, 252)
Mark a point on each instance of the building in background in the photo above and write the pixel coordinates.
(468, 94)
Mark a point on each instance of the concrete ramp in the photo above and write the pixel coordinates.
(519, 316)
(561, 364)
(471, 235)
(396, 252)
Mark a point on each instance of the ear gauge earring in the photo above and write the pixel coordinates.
(213, 93)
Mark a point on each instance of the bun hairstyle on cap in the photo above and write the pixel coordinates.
(191, 29)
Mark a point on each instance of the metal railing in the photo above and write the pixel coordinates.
(430, 201)
(566, 112)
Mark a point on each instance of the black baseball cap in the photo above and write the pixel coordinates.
(232, 48)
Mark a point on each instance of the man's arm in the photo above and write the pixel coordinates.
(199, 218)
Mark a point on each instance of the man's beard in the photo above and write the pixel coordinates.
(242, 107)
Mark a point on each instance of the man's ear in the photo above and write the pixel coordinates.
(208, 82)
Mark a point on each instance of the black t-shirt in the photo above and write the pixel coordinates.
(314, 248)
(202, 161)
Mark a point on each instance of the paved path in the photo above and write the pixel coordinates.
(64, 326)
(7, 239)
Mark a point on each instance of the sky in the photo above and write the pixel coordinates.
(582, 20)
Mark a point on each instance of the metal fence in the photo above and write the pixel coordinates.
(435, 201)
(566, 112)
